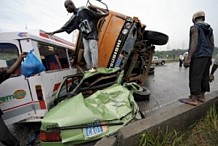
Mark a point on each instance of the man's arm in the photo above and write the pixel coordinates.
(193, 45)
(215, 65)
(56, 31)
(17, 63)
(212, 41)
(214, 68)
(5, 74)
(68, 27)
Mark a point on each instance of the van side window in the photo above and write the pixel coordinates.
(53, 57)
(8, 56)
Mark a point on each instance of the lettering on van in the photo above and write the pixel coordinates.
(115, 53)
(18, 94)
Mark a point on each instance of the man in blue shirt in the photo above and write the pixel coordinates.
(201, 46)
(85, 20)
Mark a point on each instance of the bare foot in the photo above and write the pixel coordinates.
(201, 97)
(189, 101)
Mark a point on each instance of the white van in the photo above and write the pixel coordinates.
(28, 99)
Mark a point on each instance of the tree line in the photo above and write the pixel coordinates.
(174, 54)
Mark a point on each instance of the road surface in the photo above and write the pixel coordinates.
(168, 84)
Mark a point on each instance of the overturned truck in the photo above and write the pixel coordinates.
(124, 42)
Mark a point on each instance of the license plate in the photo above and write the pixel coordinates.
(94, 130)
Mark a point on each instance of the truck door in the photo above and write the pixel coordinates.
(15, 96)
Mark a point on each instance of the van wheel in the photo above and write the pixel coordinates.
(142, 95)
(155, 38)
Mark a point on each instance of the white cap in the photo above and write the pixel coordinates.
(198, 14)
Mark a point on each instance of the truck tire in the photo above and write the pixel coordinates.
(155, 38)
(142, 95)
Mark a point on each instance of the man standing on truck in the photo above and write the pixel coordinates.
(6, 137)
(199, 58)
(85, 19)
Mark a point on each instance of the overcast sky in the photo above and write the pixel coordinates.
(172, 17)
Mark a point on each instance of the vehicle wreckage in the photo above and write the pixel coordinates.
(89, 106)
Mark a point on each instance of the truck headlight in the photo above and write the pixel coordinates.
(128, 25)
(125, 31)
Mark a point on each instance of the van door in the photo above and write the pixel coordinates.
(55, 59)
(15, 96)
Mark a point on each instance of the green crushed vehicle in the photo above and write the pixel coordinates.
(85, 109)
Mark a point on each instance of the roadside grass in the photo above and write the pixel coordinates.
(203, 133)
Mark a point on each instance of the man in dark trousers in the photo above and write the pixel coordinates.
(6, 137)
(201, 46)
(85, 20)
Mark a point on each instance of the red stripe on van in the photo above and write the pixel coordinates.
(44, 35)
(20, 105)
(56, 86)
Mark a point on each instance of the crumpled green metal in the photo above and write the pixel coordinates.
(114, 104)
(114, 107)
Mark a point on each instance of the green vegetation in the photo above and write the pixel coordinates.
(170, 138)
(203, 133)
(174, 54)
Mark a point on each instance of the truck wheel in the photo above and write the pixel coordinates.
(142, 95)
(155, 38)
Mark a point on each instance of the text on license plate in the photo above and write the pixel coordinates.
(93, 131)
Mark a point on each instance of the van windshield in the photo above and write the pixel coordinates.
(8, 54)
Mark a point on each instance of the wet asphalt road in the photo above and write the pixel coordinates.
(167, 85)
